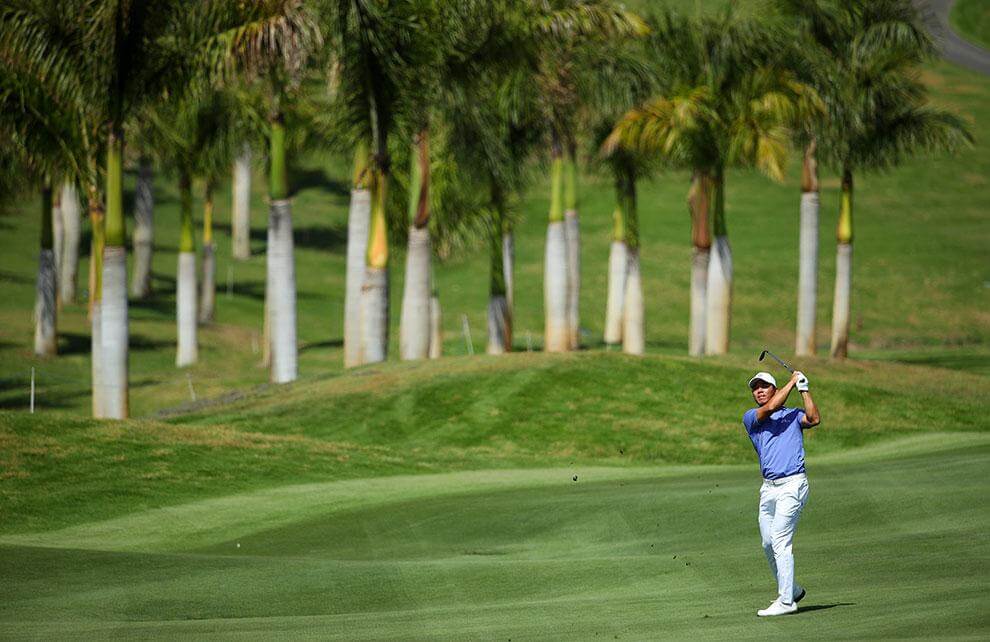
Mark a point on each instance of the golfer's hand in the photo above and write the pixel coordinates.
(800, 381)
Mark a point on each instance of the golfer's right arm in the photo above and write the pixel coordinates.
(777, 400)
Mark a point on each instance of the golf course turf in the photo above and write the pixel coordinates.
(581, 496)
(892, 544)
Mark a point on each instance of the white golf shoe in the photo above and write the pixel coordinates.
(778, 608)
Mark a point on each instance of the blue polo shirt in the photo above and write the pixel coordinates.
(778, 441)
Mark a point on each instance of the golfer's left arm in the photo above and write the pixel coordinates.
(811, 417)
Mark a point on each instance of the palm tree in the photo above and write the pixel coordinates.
(270, 42)
(70, 244)
(726, 101)
(372, 46)
(562, 71)
(241, 204)
(143, 238)
(868, 54)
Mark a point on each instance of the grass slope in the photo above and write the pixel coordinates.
(885, 548)
(971, 18)
(460, 413)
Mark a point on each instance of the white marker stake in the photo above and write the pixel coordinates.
(529, 342)
(467, 334)
(192, 393)
(32, 391)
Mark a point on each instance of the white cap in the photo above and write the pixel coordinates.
(763, 376)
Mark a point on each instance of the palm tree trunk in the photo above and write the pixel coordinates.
(281, 264)
(699, 199)
(45, 334)
(114, 329)
(95, 296)
(144, 231)
(207, 300)
(718, 313)
(241, 211)
(618, 266)
(374, 291)
(499, 311)
(414, 323)
(508, 261)
(185, 291)
(557, 328)
(58, 235)
(358, 222)
(436, 326)
(808, 261)
(843, 270)
(572, 234)
(633, 330)
(633, 339)
(70, 244)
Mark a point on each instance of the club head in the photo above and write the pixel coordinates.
(762, 355)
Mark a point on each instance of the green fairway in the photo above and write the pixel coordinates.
(886, 549)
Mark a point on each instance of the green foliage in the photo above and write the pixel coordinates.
(867, 55)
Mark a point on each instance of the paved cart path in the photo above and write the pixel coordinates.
(954, 48)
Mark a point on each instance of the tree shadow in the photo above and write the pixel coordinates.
(11, 277)
(316, 179)
(73, 343)
(332, 343)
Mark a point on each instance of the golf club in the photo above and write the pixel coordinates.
(776, 358)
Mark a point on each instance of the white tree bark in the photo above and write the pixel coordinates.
(717, 315)
(414, 324)
(58, 238)
(70, 243)
(207, 295)
(282, 279)
(144, 232)
(807, 275)
(841, 304)
(114, 334)
(45, 333)
(572, 232)
(436, 328)
(241, 214)
(633, 330)
(499, 325)
(185, 300)
(508, 263)
(699, 301)
(358, 224)
(96, 361)
(557, 331)
(374, 315)
(618, 260)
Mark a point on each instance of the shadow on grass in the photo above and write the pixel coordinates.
(822, 607)
(311, 237)
(11, 277)
(332, 343)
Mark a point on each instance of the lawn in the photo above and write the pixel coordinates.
(971, 18)
(437, 500)
(886, 549)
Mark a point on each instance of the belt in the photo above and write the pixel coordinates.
(784, 480)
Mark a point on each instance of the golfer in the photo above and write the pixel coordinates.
(775, 431)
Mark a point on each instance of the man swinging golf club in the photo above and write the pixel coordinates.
(775, 431)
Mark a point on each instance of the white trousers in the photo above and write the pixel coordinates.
(781, 502)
